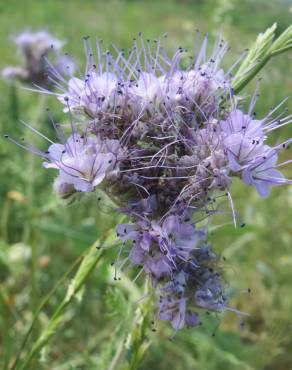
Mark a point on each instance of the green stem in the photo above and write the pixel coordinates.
(241, 83)
(6, 333)
(29, 234)
(89, 262)
(36, 120)
(41, 306)
(138, 342)
(14, 103)
(264, 48)
(118, 355)
(5, 218)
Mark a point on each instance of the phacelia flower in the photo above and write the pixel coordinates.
(83, 162)
(160, 247)
(33, 48)
(244, 141)
(164, 138)
(263, 175)
(146, 82)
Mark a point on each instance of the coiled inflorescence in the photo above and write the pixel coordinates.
(163, 136)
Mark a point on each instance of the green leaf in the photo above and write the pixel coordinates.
(264, 48)
(87, 265)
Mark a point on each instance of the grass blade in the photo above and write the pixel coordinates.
(92, 257)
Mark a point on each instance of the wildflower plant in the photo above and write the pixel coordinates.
(164, 135)
(33, 48)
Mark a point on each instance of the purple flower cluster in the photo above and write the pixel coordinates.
(164, 136)
(248, 155)
(33, 47)
(175, 255)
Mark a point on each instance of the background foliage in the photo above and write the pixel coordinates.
(41, 237)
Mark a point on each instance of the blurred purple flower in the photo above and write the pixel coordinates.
(33, 48)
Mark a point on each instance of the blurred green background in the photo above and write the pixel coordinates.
(41, 236)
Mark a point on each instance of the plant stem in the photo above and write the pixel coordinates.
(36, 120)
(6, 326)
(41, 306)
(14, 103)
(30, 235)
(5, 217)
(264, 48)
(86, 267)
(138, 342)
(117, 357)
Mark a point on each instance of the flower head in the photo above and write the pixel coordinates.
(165, 138)
(34, 47)
(262, 174)
(146, 83)
(83, 162)
(35, 44)
(244, 141)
